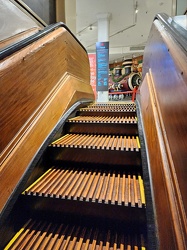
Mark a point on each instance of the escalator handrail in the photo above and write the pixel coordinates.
(5, 52)
(177, 31)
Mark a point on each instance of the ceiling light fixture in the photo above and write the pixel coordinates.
(136, 7)
(90, 27)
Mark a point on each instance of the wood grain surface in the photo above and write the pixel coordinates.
(163, 104)
(38, 85)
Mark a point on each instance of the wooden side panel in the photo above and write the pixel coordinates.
(163, 102)
(37, 88)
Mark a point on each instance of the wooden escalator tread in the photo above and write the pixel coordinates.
(46, 235)
(112, 107)
(120, 188)
(104, 142)
(104, 119)
(90, 186)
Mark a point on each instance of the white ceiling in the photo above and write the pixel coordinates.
(128, 31)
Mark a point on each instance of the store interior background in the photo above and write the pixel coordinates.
(129, 25)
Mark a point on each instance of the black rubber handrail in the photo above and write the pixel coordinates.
(176, 31)
(29, 40)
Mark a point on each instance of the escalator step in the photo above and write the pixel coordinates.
(89, 185)
(104, 119)
(109, 110)
(105, 142)
(46, 235)
(112, 107)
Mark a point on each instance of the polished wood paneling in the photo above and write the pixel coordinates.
(47, 62)
(163, 104)
(37, 87)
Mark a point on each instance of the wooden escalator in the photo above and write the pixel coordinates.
(81, 175)
(90, 194)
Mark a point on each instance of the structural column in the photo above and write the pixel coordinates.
(103, 20)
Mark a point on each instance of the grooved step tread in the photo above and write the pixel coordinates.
(89, 185)
(105, 142)
(104, 119)
(108, 110)
(46, 235)
(110, 107)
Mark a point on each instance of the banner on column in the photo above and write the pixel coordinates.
(92, 60)
(102, 62)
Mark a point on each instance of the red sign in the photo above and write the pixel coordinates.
(92, 60)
